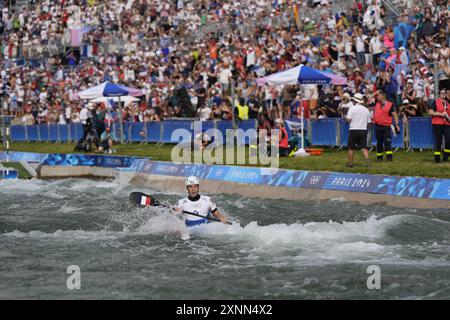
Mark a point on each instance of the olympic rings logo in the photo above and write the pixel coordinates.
(314, 180)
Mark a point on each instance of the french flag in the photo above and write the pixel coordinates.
(145, 201)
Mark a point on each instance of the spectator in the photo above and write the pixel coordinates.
(345, 105)
(359, 117)
(241, 110)
(226, 110)
(155, 53)
(408, 109)
(106, 141)
(204, 113)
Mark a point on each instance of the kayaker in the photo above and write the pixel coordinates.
(196, 203)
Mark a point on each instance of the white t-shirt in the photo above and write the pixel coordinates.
(204, 113)
(310, 92)
(419, 87)
(377, 45)
(203, 206)
(61, 119)
(360, 45)
(359, 116)
(225, 75)
(84, 115)
(331, 24)
(347, 105)
(68, 112)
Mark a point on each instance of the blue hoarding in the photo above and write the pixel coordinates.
(388, 185)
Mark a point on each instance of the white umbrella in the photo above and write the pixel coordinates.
(108, 89)
(125, 99)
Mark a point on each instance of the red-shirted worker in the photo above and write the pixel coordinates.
(440, 119)
(283, 139)
(384, 112)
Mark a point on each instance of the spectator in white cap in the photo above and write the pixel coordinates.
(359, 117)
(409, 93)
(408, 109)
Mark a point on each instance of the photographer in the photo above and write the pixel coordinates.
(408, 109)
(89, 137)
(107, 141)
(345, 105)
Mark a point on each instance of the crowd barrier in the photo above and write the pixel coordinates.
(421, 133)
(344, 130)
(324, 132)
(156, 132)
(47, 133)
(331, 132)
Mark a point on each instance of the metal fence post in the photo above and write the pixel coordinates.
(337, 122)
(161, 132)
(38, 132)
(69, 133)
(436, 80)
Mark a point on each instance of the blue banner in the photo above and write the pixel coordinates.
(24, 156)
(408, 186)
(88, 160)
(351, 182)
(416, 187)
(388, 185)
(442, 191)
(9, 174)
(73, 159)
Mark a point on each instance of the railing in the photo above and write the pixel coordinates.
(332, 132)
(415, 134)
(392, 7)
(156, 132)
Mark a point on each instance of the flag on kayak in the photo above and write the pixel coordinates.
(145, 201)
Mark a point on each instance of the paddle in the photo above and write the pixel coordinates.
(142, 200)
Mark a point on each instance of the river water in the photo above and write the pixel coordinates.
(277, 249)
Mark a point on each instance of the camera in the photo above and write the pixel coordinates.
(447, 116)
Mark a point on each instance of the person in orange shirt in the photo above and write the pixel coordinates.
(213, 51)
(285, 149)
(440, 119)
(384, 112)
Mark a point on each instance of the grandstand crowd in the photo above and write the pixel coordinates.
(199, 58)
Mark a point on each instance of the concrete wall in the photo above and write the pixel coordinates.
(176, 184)
(59, 172)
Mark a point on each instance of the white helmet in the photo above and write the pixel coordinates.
(192, 180)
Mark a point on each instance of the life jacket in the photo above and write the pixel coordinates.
(284, 139)
(242, 111)
(381, 115)
(441, 106)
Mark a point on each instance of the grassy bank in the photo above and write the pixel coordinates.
(405, 163)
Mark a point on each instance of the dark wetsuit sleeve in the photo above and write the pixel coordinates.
(212, 206)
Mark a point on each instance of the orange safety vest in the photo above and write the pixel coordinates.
(441, 106)
(381, 116)
(283, 140)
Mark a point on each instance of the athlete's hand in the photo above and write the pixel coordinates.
(223, 219)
